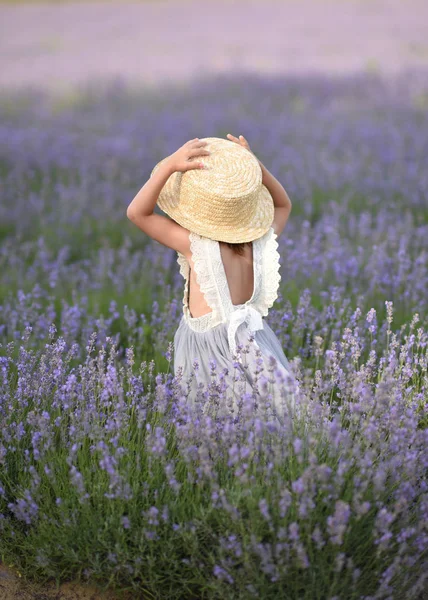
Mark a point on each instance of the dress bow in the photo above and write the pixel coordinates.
(246, 314)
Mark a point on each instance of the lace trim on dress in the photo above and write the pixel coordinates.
(202, 323)
(184, 272)
(271, 275)
(206, 272)
(208, 277)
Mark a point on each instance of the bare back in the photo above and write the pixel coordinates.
(239, 272)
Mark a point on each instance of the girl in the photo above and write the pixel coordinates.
(227, 210)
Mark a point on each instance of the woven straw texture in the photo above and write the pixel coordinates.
(226, 201)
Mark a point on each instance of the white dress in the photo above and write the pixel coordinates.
(216, 335)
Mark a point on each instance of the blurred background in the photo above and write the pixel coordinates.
(59, 44)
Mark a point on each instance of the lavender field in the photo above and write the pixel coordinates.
(107, 476)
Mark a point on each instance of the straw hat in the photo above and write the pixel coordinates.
(226, 201)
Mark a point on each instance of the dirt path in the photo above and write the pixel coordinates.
(12, 587)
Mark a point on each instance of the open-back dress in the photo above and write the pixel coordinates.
(217, 335)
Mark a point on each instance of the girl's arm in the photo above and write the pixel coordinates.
(145, 201)
(162, 229)
(281, 201)
(140, 211)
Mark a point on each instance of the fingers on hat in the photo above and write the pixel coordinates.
(198, 151)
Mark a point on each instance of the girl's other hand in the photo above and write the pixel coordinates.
(241, 141)
(181, 159)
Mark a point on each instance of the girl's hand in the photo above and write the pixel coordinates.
(241, 141)
(181, 159)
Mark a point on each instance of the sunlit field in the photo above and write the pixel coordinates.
(106, 474)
